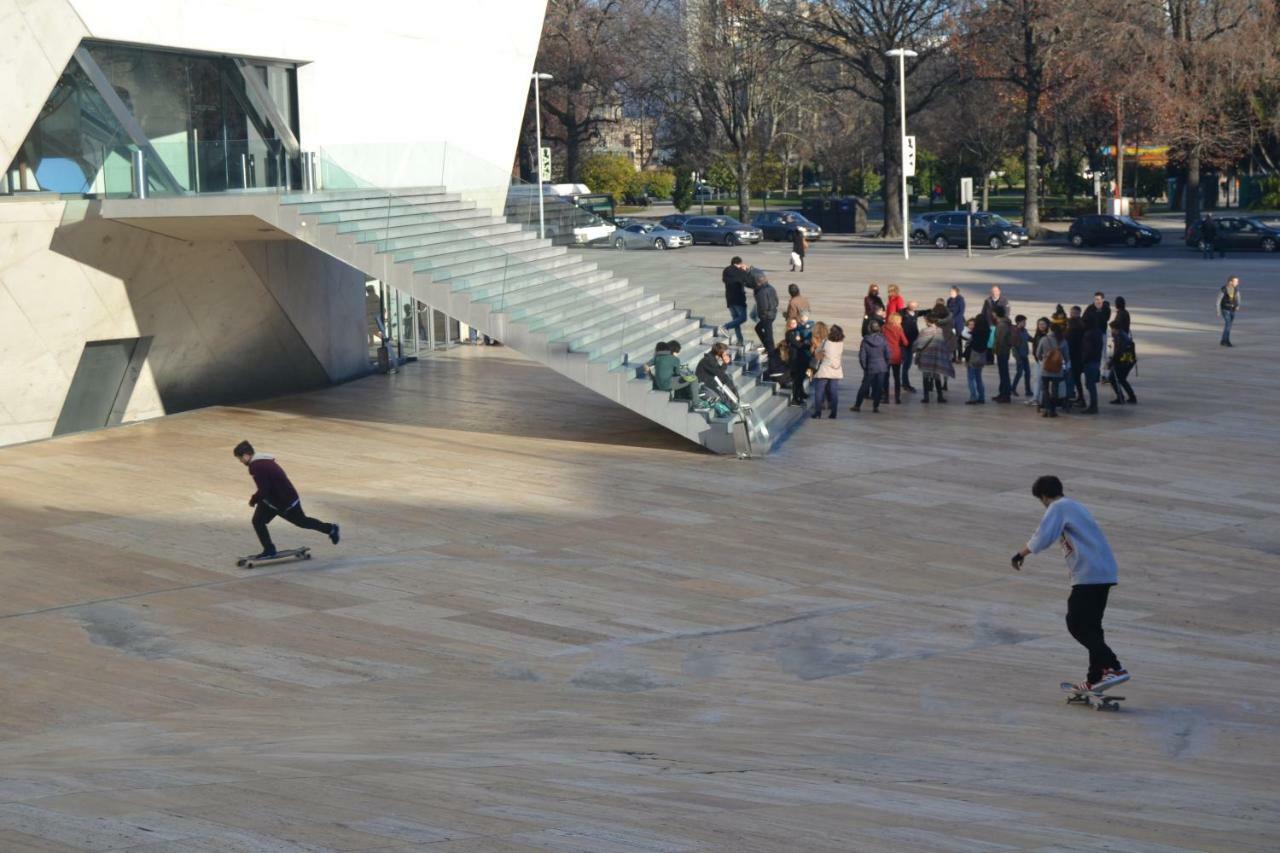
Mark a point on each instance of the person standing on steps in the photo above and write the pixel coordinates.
(800, 355)
(1228, 304)
(275, 496)
(712, 372)
(799, 246)
(873, 358)
(766, 312)
(955, 304)
(1093, 572)
(736, 279)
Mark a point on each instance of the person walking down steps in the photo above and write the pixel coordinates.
(275, 496)
(1093, 572)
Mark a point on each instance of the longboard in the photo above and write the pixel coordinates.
(1097, 700)
(286, 556)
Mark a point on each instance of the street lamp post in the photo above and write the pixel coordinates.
(902, 54)
(537, 120)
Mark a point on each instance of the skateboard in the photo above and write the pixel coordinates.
(286, 556)
(1097, 699)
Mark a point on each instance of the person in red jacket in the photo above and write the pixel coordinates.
(896, 338)
(275, 496)
(896, 303)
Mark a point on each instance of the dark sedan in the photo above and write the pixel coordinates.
(675, 221)
(721, 230)
(1105, 229)
(783, 225)
(1238, 232)
(951, 229)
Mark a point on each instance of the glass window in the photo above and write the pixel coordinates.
(197, 117)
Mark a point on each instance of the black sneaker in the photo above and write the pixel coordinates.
(333, 535)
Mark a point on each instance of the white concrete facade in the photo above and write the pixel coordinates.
(395, 93)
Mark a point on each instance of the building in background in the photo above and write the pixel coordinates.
(203, 288)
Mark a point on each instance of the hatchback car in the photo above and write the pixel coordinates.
(646, 235)
(721, 230)
(1105, 229)
(1239, 232)
(783, 225)
(949, 229)
(920, 224)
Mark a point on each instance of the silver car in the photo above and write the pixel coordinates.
(646, 235)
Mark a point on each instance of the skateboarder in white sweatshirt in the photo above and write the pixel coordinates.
(1093, 572)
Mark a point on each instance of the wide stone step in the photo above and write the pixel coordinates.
(515, 263)
(353, 193)
(446, 237)
(501, 288)
(605, 323)
(448, 221)
(388, 217)
(465, 248)
(375, 203)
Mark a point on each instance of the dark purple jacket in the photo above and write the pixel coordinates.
(274, 488)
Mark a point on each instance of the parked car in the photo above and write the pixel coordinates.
(646, 235)
(1239, 232)
(724, 230)
(920, 224)
(949, 229)
(1105, 229)
(783, 224)
(676, 220)
(624, 221)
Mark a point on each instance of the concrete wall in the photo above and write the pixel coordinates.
(230, 321)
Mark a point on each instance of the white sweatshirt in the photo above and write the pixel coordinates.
(1089, 557)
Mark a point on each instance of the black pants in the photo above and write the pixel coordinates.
(895, 371)
(1085, 607)
(1120, 379)
(764, 330)
(263, 515)
(875, 386)
(1002, 367)
(798, 367)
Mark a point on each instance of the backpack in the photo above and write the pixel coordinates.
(1052, 361)
(1128, 355)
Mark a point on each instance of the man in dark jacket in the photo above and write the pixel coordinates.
(736, 280)
(910, 328)
(989, 305)
(275, 496)
(712, 374)
(1004, 348)
(1098, 314)
(766, 313)
(1075, 346)
(1093, 344)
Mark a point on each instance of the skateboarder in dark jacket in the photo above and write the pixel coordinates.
(1093, 573)
(275, 496)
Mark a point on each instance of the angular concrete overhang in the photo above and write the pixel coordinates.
(231, 216)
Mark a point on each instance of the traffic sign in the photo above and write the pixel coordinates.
(966, 190)
(909, 156)
(544, 165)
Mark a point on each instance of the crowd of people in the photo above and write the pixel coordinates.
(1056, 364)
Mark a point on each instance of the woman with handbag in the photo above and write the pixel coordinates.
(1124, 357)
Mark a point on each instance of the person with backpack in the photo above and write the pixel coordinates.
(275, 496)
(1093, 571)
(799, 355)
(873, 358)
(1228, 304)
(1052, 365)
(1124, 357)
(829, 372)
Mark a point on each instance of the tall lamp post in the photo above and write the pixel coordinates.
(902, 54)
(537, 120)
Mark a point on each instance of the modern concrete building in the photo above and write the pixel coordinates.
(210, 202)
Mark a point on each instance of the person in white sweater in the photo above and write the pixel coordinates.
(1093, 572)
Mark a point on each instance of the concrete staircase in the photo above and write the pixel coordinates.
(555, 307)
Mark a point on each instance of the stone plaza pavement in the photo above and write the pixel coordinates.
(552, 626)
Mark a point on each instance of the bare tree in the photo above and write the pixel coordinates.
(855, 34)
(581, 43)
